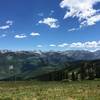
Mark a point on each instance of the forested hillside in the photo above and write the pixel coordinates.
(61, 65)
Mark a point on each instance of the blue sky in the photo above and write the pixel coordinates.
(50, 24)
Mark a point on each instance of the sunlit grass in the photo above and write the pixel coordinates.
(34, 90)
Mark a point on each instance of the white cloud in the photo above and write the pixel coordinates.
(73, 29)
(9, 23)
(20, 36)
(89, 45)
(39, 46)
(51, 22)
(4, 27)
(77, 45)
(92, 44)
(63, 45)
(83, 10)
(52, 45)
(91, 21)
(35, 34)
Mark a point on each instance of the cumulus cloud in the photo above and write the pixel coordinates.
(63, 45)
(8, 24)
(92, 44)
(82, 45)
(77, 45)
(91, 21)
(82, 9)
(88, 45)
(20, 36)
(51, 22)
(35, 34)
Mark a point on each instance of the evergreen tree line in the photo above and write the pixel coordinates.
(85, 72)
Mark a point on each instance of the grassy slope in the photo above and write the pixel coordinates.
(33, 90)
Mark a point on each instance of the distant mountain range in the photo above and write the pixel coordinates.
(30, 64)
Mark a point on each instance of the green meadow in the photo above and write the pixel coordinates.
(36, 90)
